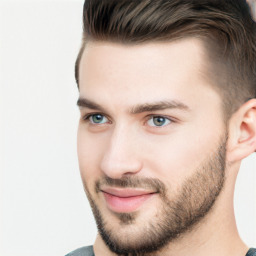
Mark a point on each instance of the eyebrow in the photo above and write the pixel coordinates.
(161, 105)
(140, 108)
(85, 103)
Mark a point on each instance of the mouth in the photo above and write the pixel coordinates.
(125, 200)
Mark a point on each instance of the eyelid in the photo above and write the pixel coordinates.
(161, 115)
(87, 116)
(171, 119)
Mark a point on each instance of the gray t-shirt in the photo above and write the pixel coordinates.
(84, 251)
(88, 251)
(251, 252)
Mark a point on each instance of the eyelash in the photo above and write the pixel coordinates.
(149, 117)
(87, 117)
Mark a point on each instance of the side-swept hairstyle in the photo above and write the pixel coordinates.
(225, 26)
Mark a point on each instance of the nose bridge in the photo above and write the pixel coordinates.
(121, 155)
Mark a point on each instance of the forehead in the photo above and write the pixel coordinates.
(124, 73)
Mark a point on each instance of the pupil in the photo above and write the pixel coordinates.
(97, 118)
(158, 121)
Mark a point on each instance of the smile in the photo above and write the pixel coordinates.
(125, 200)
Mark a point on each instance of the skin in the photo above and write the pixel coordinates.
(118, 78)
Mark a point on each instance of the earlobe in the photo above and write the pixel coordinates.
(242, 132)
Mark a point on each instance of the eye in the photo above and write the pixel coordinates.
(158, 121)
(97, 119)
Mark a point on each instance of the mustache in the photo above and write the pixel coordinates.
(131, 182)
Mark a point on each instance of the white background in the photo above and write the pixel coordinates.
(43, 207)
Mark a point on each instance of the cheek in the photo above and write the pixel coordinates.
(175, 157)
(89, 150)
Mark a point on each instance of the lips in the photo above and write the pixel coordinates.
(126, 200)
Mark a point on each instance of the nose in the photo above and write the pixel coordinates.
(122, 156)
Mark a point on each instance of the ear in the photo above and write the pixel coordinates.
(242, 132)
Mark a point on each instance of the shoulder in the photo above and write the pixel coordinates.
(251, 252)
(83, 251)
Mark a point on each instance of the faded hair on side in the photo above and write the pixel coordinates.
(226, 28)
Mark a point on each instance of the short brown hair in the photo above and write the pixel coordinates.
(226, 27)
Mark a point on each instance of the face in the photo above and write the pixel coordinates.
(151, 141)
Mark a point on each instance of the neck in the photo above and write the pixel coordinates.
(216, 234)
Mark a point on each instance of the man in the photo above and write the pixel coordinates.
(168, 112)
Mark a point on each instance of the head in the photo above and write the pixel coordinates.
(161, 83)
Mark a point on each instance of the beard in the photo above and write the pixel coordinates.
(175, 217)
